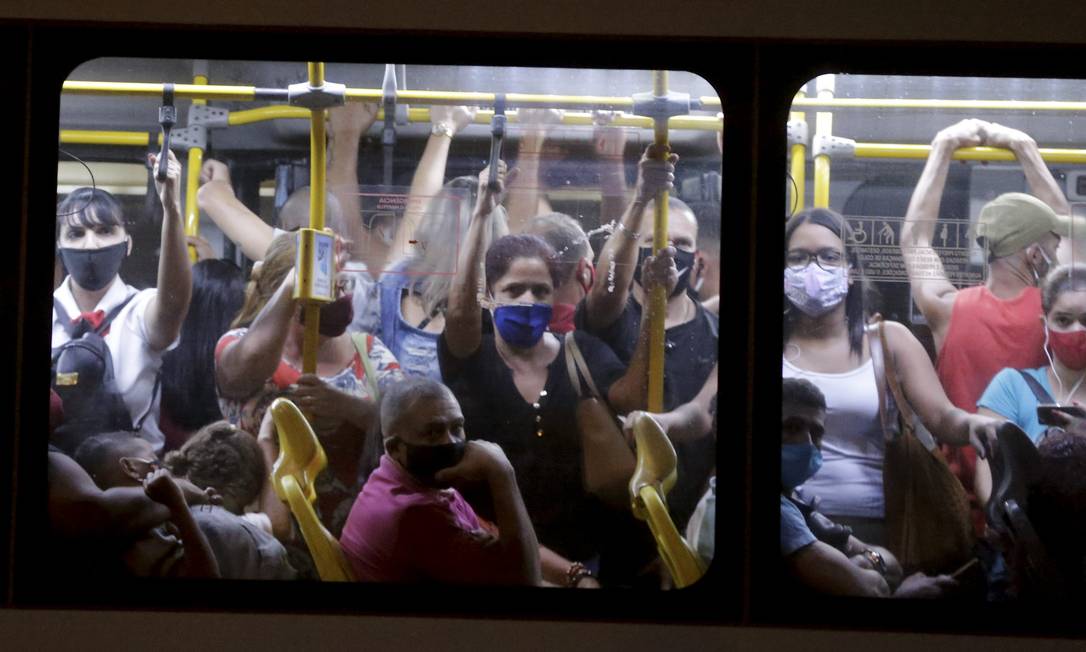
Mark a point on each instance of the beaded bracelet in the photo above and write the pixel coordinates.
(576, 573)
(635, 235)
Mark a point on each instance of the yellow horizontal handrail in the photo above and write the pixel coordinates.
(896, 151)
(186, 91)
(246, 93)
(686, 122)
(249, 116)
(977, 105)
(79, 137)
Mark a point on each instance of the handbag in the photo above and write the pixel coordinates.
(928, 527)
(607, 461)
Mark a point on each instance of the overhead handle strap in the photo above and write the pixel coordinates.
(167, 118)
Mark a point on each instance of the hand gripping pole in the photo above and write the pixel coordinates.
(497, 135)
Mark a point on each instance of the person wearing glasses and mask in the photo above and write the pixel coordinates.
(515, 389)
(825, 341)
(982, 329)
(410, 524)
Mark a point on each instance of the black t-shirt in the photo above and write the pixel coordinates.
(690, 353)
(548, 465)
(690, 349)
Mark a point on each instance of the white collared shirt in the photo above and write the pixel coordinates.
(135, 363)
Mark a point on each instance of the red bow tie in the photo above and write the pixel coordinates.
(91, 320)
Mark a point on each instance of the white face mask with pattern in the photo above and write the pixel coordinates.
(814, 290)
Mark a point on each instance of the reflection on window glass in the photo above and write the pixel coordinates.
(425, 362)
(935, 338)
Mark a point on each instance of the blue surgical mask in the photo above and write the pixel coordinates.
(798, 463)
(522, 325)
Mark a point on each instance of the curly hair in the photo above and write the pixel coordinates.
(225, 458)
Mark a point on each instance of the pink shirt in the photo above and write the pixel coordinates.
(400, 530)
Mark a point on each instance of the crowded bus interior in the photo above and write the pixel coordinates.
(410, 324)
(934, 339)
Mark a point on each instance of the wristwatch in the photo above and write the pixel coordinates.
(876, 560)
(442, 129)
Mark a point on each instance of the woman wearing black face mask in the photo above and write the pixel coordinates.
(92, 242)
(514, 388)
(261, 359)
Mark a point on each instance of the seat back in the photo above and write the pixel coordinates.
(653, 478)
(294, 475)
(1016, 467)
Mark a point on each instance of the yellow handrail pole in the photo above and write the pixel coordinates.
(139, 89)
(87, 137)
(420, 114)
(824, 128)
(317, 157)
(658, 300)
(974, 105)
(275, 112)
(192, 180)
(799, 159)
(898, 151)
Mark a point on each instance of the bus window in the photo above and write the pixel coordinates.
(390, 323)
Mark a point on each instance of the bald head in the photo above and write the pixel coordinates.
(408, 400)
(295, 212)
(682, 225)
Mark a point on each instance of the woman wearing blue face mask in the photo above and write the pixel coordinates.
(514, 388)
(825, 342)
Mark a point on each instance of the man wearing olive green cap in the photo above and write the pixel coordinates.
(980, 330)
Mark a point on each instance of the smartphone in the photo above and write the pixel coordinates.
(1044, 413)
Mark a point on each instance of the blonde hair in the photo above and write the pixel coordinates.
(266, 277)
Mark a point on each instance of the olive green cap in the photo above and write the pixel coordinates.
(1015, 220)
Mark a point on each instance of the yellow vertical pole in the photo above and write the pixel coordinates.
(316, 214)
(799, 161)
(823, 126)
(192, 180)
(658, 300)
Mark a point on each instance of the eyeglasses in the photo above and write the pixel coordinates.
(828, 258)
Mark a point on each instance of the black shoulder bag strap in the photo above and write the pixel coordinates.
(1038, 391)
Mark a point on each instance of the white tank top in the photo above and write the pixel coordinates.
(850, 480)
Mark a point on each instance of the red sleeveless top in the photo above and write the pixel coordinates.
(986, 334)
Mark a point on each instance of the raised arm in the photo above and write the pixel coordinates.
(933, 292)
(347, 125)
(607, 299)
(268, 502)
(244, 365)
(463, 321)
(610, 142)
(1042, 184)
(166, 311)
(630, 392)
(446, 121)
(216, 198)
(525, 191)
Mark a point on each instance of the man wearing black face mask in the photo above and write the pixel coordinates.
(409, 525)
(614, 306)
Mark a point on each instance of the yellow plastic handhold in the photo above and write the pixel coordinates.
(653, 478)
(294, 475)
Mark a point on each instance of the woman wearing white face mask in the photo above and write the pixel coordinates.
(825, 342)
(1014, 394)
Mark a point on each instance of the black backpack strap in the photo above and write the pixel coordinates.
(73, 329)
(112, 314)
(1043, 396)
